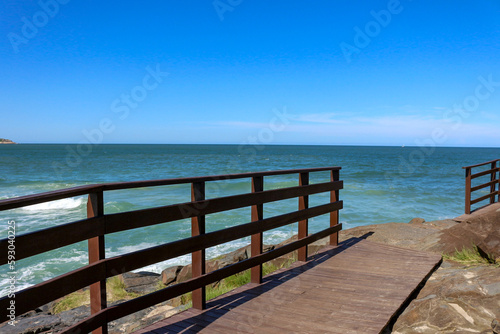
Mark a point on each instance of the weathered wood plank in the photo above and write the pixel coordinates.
(354, 288)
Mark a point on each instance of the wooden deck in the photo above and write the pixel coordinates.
(356, 287)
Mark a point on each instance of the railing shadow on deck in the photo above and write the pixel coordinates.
(222, 305)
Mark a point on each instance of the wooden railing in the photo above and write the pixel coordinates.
(491, 184)
(98, 224)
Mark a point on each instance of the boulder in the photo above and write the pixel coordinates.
(455, 299)
(141, 283)
(34, 324)
(169, 275)
(473, 229)
(490, 246)
(46, 323)
(42, 323)
(184, 274)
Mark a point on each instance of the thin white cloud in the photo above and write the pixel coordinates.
(239, 124)
(325, 118)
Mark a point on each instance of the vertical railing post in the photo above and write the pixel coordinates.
(468, 181)
(95, 208)
(198, 257)
(493, 187)
(334, 215)
(498, 182)
(256, 243)
(303, 224)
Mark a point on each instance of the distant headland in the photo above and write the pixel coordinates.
(6, 141)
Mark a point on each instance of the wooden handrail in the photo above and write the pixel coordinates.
(22, 201)
(48, 239)
(188, 180)
(19, 202)
(482, 164)
(98, 224)
(492, 183)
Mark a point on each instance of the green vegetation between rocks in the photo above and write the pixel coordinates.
(468, 256)
(116, 289)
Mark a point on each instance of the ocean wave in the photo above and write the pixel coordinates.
(116, 251)
(66, 203)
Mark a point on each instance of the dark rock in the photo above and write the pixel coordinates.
(41, 323)
(454, 299)
(44, 323)
(141, 319)
(490, 246)
(32, 325)
(169, 275)
(141, 283)
(73, 316)
(495, 326)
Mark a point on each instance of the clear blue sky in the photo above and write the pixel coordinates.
(343, 72)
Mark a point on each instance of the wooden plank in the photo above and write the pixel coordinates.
(320, 296)
(128, 220)
(488, 184)
(482, 198)
(486, 172)
(19, 202)
(42, 241)
(43, 293)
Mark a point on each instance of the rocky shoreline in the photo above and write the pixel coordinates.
(456, 298)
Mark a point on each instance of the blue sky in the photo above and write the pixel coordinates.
(268, 72)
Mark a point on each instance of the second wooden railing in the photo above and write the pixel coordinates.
(98, 224)
(491, 184)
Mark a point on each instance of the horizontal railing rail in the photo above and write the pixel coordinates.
(98, 224)
(493, 184)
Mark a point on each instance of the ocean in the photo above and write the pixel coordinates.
(381, 184)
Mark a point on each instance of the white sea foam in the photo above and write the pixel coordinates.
(62, 204)
(24, 278)
(110, 252)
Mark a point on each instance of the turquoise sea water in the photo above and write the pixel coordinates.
(381, 184)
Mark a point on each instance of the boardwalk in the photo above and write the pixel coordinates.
(354, 288)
